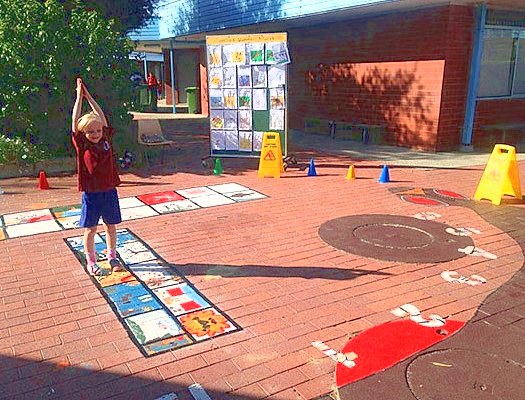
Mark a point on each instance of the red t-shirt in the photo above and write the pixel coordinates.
(97, 169)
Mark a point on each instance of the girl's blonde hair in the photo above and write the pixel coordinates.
(86, 119)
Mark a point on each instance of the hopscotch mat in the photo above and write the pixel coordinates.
(148, 205)
(157, 305)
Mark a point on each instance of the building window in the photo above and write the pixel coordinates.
(502, 71)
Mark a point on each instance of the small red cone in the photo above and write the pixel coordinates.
(42, 181)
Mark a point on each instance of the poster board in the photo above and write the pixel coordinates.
(247, 92)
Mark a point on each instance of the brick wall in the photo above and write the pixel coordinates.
(405, 71)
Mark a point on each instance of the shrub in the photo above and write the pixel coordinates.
(17, 150)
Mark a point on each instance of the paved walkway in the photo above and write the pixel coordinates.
(264, 264)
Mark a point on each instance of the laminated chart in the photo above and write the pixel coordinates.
(47, 220)
(247, 91)
(160, 309)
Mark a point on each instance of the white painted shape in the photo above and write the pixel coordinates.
(196, 192)
(427, 215)
(32, 228)
(137, 213)
(212, 200)
(245, 195)
(22, 217)
(175, 206)
(128, 202)
(415, 315)
(228, 188)
(167, 396)
(198, 392)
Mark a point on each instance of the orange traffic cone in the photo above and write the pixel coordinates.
(42, 181)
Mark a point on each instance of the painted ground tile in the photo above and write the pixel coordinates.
(196, 192)
(69, 222)
(205, 324)
(155, 275)
(160, 197)
(2, 234)
(228, 188)
(175, 206)
(153, 326)
(1, 221)
(131, 298)
(134, 252)
(212, 200)
(109, 278)
(27, 217)
(32, 228)
(181, 298)
(164, 345)
(78, 247)
(137, 213)
(129, 202)
(245, 195)
(67, 211)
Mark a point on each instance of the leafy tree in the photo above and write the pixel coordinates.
(131, 14)
(44, 46)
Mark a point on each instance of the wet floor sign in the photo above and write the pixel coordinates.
(501, 176)
(271, 159)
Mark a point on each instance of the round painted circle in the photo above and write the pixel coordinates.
(394, 238)
(465, 374)
(422, 200)
(449, 194)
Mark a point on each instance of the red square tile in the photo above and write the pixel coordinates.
(160, 197)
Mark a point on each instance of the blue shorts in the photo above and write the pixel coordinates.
(100, 204)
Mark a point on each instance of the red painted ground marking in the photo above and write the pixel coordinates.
(161, 197)
(423, 201)
(387, 344)
(452, 195)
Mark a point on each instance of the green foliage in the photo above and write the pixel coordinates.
(131, 14)
(44, 46)
(17, 150)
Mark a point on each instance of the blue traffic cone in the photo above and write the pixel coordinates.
(385, 176)
(311, 168)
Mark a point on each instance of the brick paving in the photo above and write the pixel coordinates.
(263, 263)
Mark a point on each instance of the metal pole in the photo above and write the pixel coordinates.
(145, 65)
(172, 77)
(475, 66)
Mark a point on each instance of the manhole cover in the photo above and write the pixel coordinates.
(394, 238)
(465, 374)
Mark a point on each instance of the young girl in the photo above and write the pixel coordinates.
(97, 178)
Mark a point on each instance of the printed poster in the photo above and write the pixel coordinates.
(230, 120)
(217, 119)
(259, 76)
(277, 53)
(232, 140)
(218, 140)
(277, 98)
(260, 99)
(216, 98)
(256, 53)
(244, 76)
(276, 75)
(245, 98)
(215, 78)
(229, 78)
(257, 140)
(245, 141)
(230, 98)
(234, 54)
(245, 120)
(277, 120)
(215, 56)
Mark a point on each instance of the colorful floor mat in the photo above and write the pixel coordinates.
(148, 205)
(158, 306)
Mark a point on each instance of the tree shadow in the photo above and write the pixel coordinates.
(372, 96)
(27, 378)
(190, 16)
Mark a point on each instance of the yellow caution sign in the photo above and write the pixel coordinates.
(500, 176)
(271, 159)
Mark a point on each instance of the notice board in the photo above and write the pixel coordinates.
(247, 84)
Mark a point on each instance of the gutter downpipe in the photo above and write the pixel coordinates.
(172, 77)
(472, 94)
